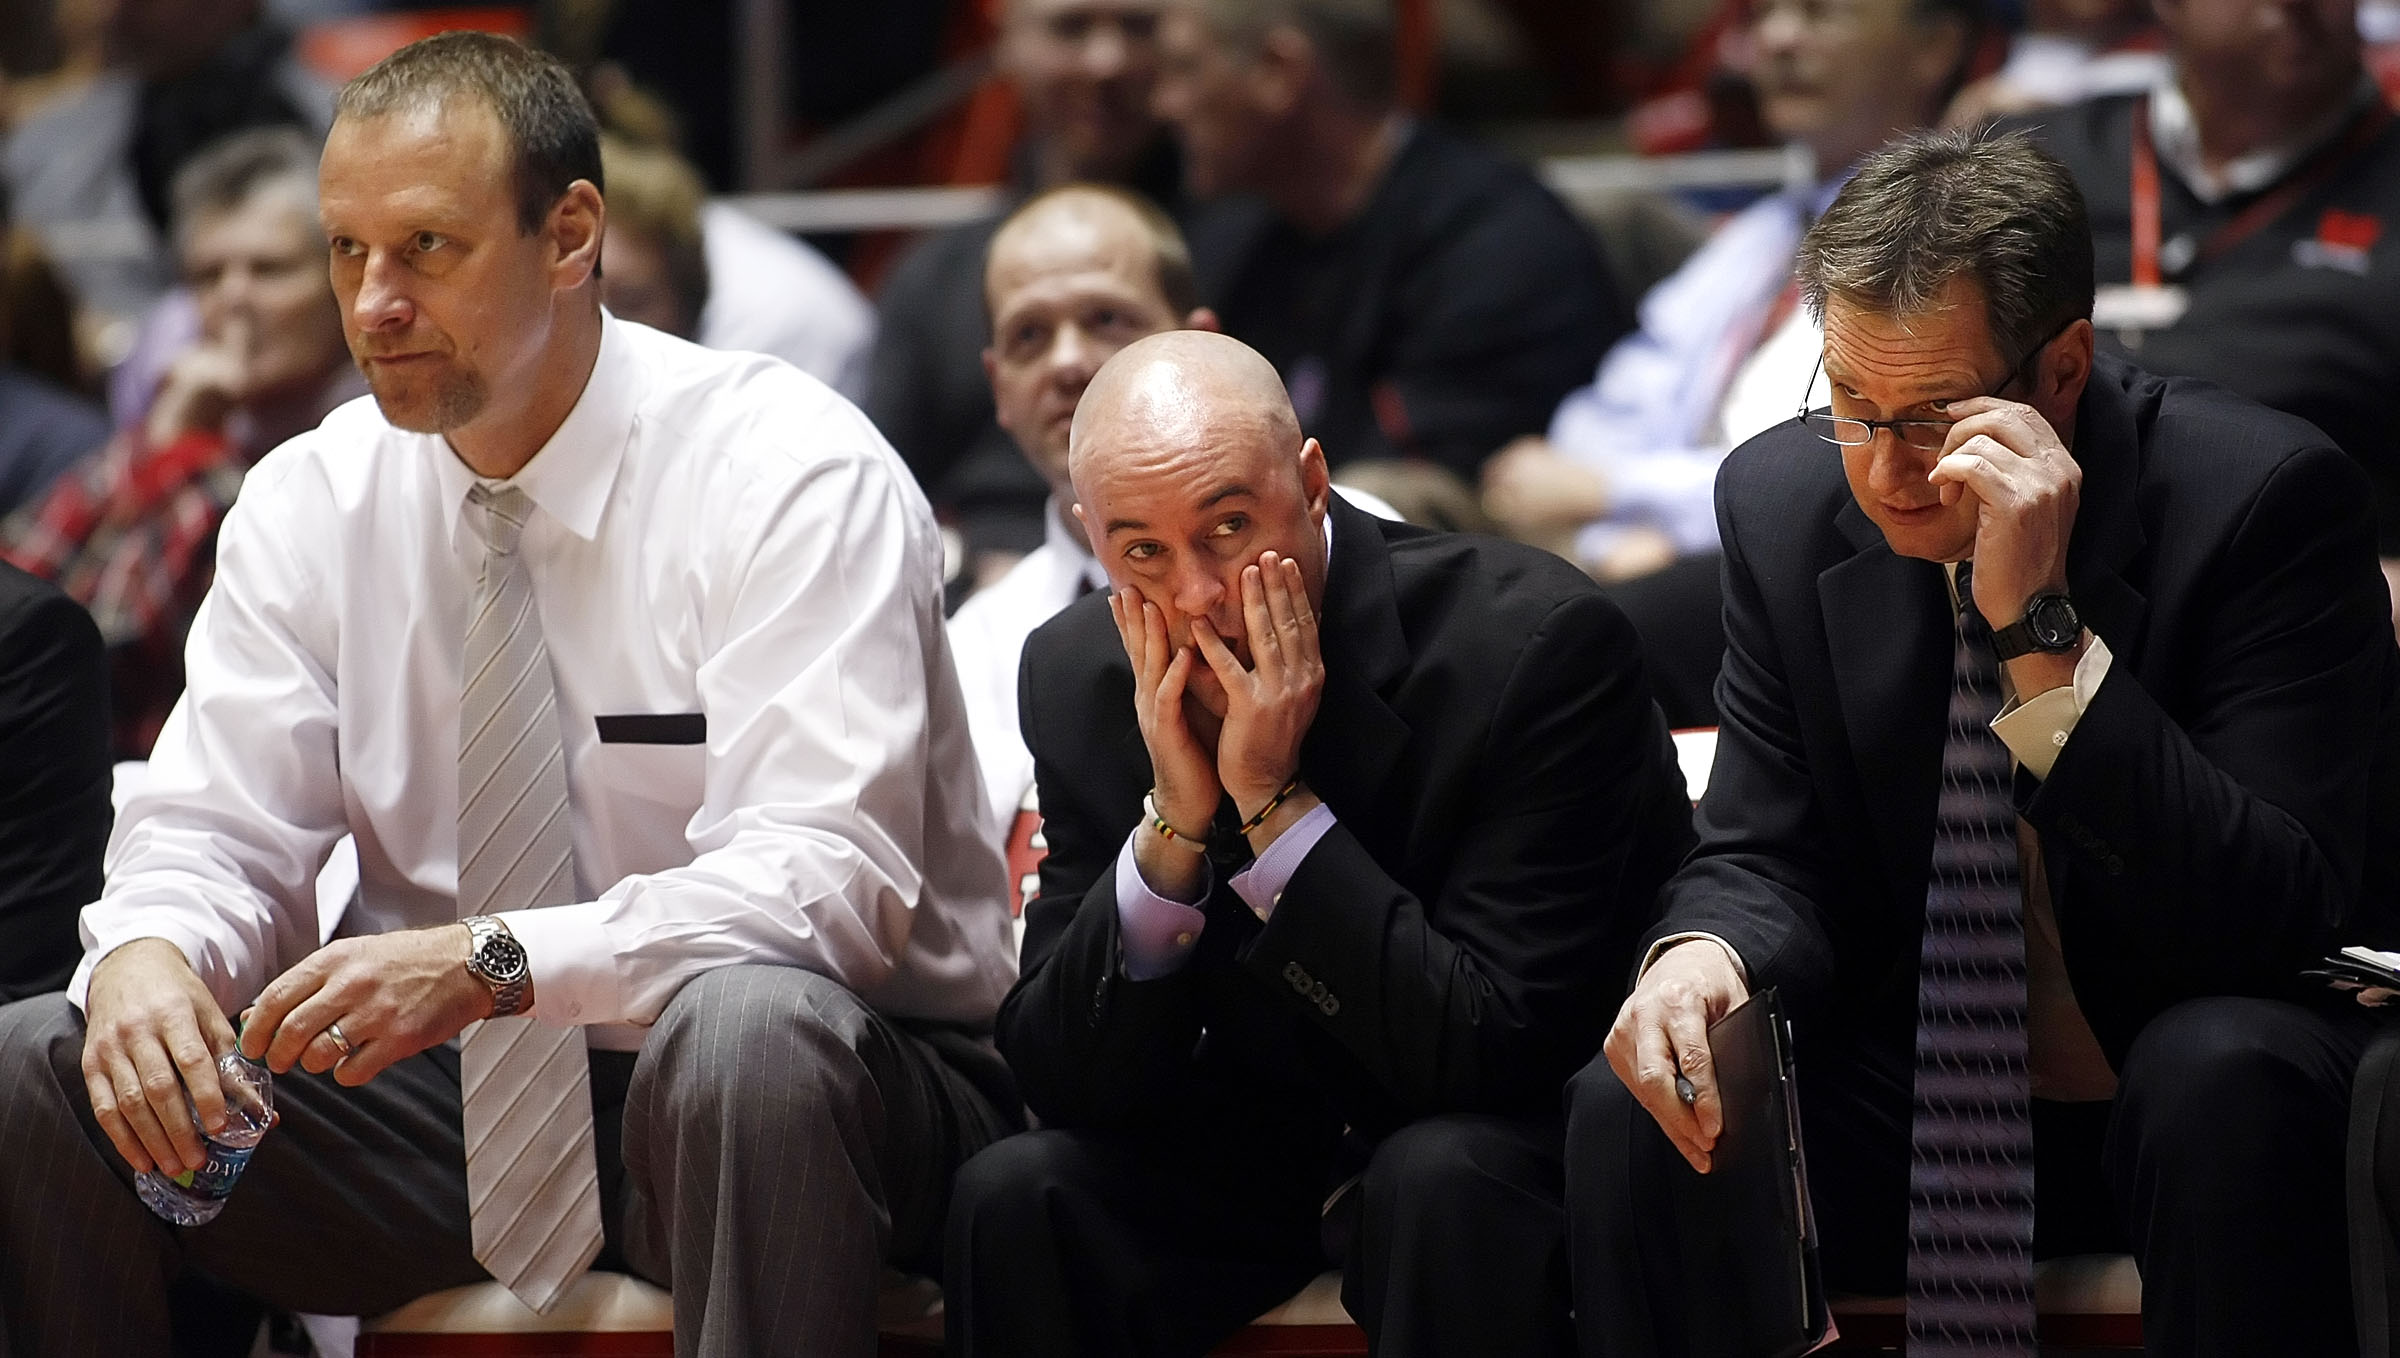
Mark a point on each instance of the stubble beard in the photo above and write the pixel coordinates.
(456, 399)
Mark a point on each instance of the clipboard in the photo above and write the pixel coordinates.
(1745, 1230)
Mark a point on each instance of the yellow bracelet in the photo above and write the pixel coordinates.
(1268, 810)
(1168, 832)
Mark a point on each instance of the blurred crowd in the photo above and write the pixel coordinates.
(1469, 351)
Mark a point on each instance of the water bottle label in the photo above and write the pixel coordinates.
(216, 1178)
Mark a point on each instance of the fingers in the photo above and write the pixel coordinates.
(1656, 1066)
(1287, 603)
(275, 1029)
(159, 1114)
(124, 1115)
(1266, 644)
(1220, 659)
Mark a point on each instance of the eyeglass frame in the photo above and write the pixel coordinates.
(2007, 380)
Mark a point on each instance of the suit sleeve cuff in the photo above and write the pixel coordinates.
(1261, 884)
(1659, 948)
(2036, 729)
(1155, 934)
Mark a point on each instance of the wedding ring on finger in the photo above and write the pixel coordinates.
(340, 1040)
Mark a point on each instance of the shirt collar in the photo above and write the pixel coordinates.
(2175, 136)
(571, 477)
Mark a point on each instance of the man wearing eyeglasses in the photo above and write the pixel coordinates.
(2042, 966)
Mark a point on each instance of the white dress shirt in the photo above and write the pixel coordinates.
(716, 535)
(987, 635)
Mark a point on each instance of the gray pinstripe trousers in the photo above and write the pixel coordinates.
(780, 1141)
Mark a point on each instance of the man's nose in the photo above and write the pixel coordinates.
(1195, 590)
(382, 302)
(1073, 357)
(1894, 466)
(1105, 53)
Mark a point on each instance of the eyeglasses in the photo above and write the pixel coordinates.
(1925, 435)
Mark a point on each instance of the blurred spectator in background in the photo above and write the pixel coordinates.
(2246, 221)
(1624, 482)
(44, 426)
(92, 171)
(667, 245)
(130, 532)
(2068, 51)
(1422, 297)
(1075, 274)
(1083, 70)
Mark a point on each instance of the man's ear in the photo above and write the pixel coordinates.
(578, 220)
(1281, 71)
(1316, 483)
(2067, 367)
(1204, 319)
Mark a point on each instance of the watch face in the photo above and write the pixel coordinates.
(2053, 622)
(500, 959)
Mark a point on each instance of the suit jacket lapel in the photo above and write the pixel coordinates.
(1351, 747)
(1889, 631)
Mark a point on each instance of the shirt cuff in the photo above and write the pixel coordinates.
(571, 961)
(2036, 728)
(1156, 935)
(1261, 884)
(1660, 947)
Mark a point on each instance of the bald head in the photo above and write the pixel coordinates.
(1188, 466)
(1184, 387)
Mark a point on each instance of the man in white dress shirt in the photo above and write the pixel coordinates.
(750, 804)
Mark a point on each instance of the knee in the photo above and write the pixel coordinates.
(779, 1044)
(41, 1039)
(2252, 1071)
(1596, 1096)
(1008, 1192)
(1441, 1171)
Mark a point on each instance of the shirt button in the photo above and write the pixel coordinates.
(1183, 940)
(2058, 737)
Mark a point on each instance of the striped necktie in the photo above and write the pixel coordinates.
(1970, 1182)
(532, 1183)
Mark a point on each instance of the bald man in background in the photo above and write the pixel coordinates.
(1352, 826)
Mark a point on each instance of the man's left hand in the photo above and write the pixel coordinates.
(393, 994)
(1268, 706)
(2026, 486)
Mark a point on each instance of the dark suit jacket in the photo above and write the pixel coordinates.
(54, 807)
(2226, 808)
(1508, 802)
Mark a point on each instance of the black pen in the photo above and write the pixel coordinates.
(1684, 1090)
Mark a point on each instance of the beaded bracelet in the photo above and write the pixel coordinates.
(1268, 810)
(1168, 832)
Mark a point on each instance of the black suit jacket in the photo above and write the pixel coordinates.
(2227, 808)
(54, 807)
(1508, 802)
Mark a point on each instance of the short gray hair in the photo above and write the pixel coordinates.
(552, 132)
(1354, 38)
(1934, 206)
(232, 170)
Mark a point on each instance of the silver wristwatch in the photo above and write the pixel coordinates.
(495, 958)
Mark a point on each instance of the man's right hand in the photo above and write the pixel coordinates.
(1663, 1030)
(1183, 772)
(152, 1031)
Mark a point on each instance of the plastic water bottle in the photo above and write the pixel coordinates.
(193, 1197)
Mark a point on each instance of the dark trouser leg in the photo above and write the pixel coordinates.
(2226, 1159)
(1129, 1246)
(1462, 1243)
(782, 1140)
(355, 1203)
(1632, 1297)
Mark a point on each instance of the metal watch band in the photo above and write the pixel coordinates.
(509, 995)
